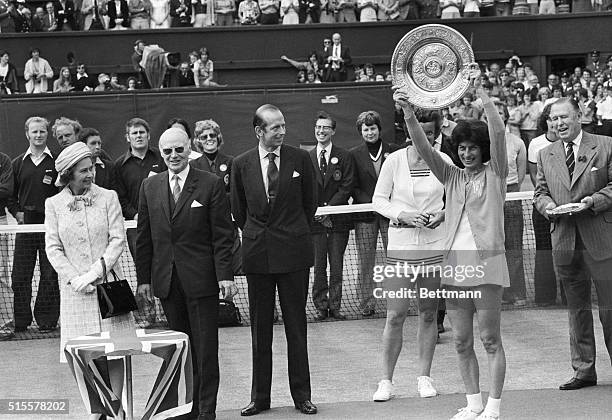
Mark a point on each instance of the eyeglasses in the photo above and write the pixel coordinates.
(327, 42)
(207, 136)
(323, 127)
(169, 150)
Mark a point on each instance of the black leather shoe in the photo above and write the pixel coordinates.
(441, 328)
(321, 315)
(47, 328)
(576, 383)
(306, 407)
(253, 408)
(337, 315)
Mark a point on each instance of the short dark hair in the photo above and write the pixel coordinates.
(133, 122)
(545, 116)
(427, 116)
(2, 52)
(182, 122)
(257, 118)
(322, 115)
(475, 132)
(88, 132)
(368, 118)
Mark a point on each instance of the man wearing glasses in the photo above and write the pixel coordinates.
(333, 168)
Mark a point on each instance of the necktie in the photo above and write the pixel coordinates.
(272, 178)
(176, 189)
(323, 163)
(569, 158)
(213, 166)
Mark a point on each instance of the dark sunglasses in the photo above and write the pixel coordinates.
(169, 150)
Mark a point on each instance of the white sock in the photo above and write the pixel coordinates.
(474, 402)
(492, 407)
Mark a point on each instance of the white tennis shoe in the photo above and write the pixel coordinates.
(384, 391)
(465, 414)
(425, 387)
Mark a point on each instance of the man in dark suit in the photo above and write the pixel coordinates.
(274, 201)
(333, 167)
(104, 168)
(578, 169)
(183, 256)
(337, 60)
(368, 159)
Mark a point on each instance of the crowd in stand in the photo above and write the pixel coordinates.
(70, 15)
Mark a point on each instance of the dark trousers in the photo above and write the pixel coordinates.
(335, 76)
(292, 293)
(576, 278)
(269, 18)
(197, 317)
(328, 244)
(545, 280)
(146, 311)
(513, 229)
(606, 128)
(366, 237)
(47, 305)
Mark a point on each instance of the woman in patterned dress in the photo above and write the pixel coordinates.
(83, 223)
(411, 197)
(475, 198)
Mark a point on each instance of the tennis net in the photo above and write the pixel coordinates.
(44, 299)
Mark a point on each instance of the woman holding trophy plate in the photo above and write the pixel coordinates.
(475, 199)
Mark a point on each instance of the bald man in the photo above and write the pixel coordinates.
(184, 257)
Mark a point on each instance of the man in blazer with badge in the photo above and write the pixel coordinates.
(274, 201)
(578, 169)
(183, 256)
(333, 168)
(368, 158)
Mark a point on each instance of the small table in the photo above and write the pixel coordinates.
(172, 393)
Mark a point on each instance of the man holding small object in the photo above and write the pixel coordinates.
(578, 169)
(184, 256)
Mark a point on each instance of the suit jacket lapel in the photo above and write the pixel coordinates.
(255, 180)
(165, 197)
(366, 160)
(587, 151)
(558, 158)
(285, 174)
(330, 166)
(188, 188)
(315, 163)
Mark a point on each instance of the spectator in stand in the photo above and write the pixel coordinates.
(338, 60)
(204, 70)
(530, 113)
(91, 11)
(600, 93)
(82, 82)
(547, 7)
(38, 20)
(544, 96)
(103, 83)
(180, 10)
(289, 11)
(604, 113)
(565, 83)
(114, 82)
(429, 9)
(313, 64)
(553, 80)
(160, 14)
(7, 24)
(533, 7)
(22, 17)
(586, 78)
(328, 11)
(224, 12)
(388, 10)
(269, 12)
(8, 75)
(139, 46)
(119, 17)
(545, 281)
(63, 83)
(588, 109)
(346, 11)
(576, 76)
(104, 169)
(582, 6)
(368, 159)
(607, 72)
(301, 76)
(66, 131)
(450, 9)
(367, 10)
(310, 11)
(468, 111)
(34, 182)
(470, 8)
(185, 75)
(487, 8)
(37, 72)
(65, 12)
(248, 12)
(50, 19)
(140, 13)
(132, 83)
(7, 183)
(513, 123)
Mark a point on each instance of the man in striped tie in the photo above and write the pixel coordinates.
(578, 169)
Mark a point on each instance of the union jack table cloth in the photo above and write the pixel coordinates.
(172, 393)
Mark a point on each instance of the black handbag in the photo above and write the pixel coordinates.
(114, 297)
(229, 316)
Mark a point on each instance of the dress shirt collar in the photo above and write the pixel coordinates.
(438, 142)
(80, 76)
(182, 177)
(99, 162)
(576, 141)
(327, 149)
(45, 152)
(263, 154)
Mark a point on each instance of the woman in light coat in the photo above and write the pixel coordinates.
(83, 223)
(37, 72)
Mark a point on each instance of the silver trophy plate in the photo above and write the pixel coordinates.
(431, 63)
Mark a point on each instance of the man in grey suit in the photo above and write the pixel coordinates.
(578, 169)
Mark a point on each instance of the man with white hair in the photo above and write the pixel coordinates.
(184, 257)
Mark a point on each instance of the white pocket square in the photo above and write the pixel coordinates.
(594, 169)
(195, 203)
(296, 174)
